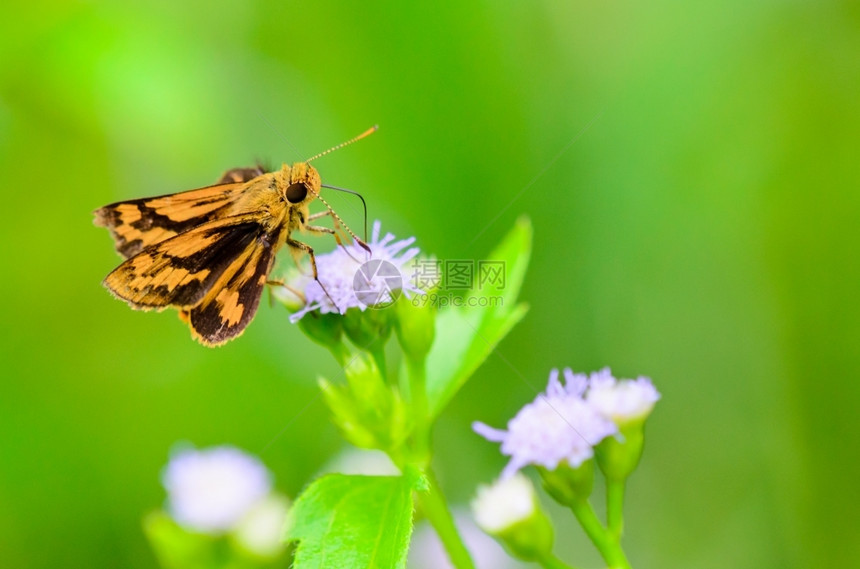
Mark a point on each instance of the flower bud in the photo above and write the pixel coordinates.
(415, 327)
(567, 484)
(619, 456)
(628, 403)
(369, 327)
(326, 330)
(509, 511)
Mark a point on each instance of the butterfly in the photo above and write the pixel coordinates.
(208, 252)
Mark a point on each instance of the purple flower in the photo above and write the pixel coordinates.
(557, 426)
(349, 269)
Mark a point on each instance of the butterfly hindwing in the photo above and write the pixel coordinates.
(231, 304)
(137, 224)
(242, 174)
(182, 270)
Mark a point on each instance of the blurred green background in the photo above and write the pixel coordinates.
(691, 170)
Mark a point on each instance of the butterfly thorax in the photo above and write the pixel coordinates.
(282, 196)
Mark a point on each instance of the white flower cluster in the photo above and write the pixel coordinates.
(223, 489)
(341, 270)
(504, 503)
(567, 421)
(621, 401)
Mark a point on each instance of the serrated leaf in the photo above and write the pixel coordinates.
(352, 522)
(467, 335)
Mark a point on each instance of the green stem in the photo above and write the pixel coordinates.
(615, 507)
(553, 562)
(420, 409)
(435, 508)
(606, 543)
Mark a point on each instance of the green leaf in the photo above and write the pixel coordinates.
(466, 335)
(352, 522)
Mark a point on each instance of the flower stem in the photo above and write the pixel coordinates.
(553, 562)
(435, 508)
(615, 507)
(420, 409)
(605, 542)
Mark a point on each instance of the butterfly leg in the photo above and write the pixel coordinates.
(296, 249)
(319, 230)
(337, 227)
(281, 283)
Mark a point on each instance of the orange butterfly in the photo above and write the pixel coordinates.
(208, 252)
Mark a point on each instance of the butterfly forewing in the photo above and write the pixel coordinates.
(137, 224)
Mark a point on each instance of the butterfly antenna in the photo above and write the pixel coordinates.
(364, 134)
(341, 223)
(363, 203)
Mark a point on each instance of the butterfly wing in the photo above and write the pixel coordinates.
(181, 271)
(137, 224)
(242, 174)
(232, 302)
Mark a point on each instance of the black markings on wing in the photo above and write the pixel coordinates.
(182, 270)
(137, 224)
(232, 303)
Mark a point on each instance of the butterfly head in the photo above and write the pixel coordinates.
(301, 183)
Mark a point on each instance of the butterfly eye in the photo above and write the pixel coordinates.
(297, 192)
